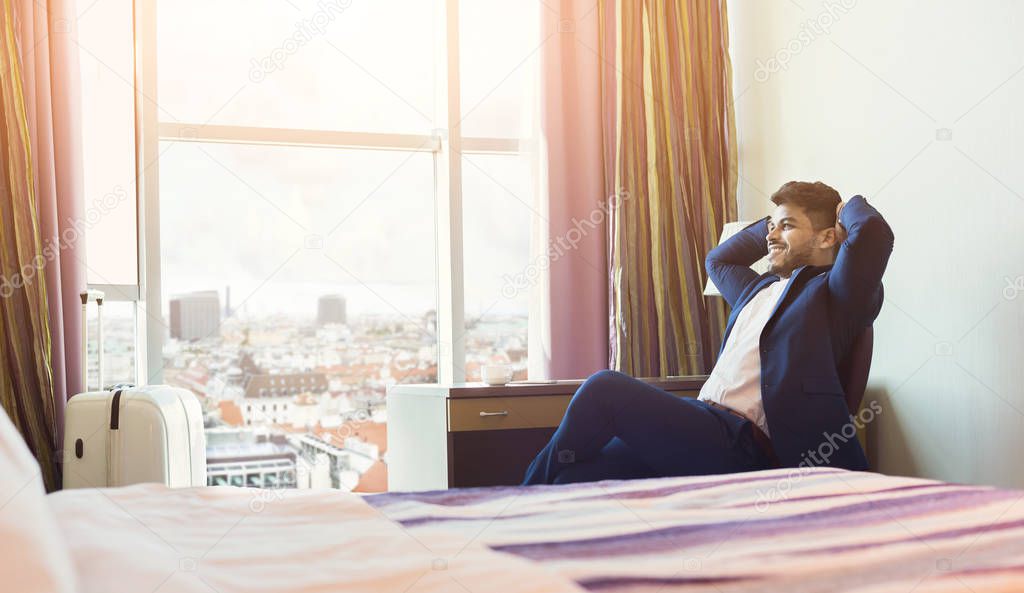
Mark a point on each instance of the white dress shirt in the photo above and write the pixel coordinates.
(735, 382)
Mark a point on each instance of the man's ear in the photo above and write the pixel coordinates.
(828, 238)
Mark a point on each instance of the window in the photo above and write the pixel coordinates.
(308, 161)
(119, 356)
(106, 62)
(499, 68)
(300, 64)
(108, 220)
(498, 209)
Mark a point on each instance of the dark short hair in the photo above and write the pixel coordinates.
(818, 200)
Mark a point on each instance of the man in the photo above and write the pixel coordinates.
(774, 395)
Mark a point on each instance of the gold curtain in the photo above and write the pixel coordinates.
(26, 387)
(672, 151)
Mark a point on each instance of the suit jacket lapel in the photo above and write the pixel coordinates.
(799, 275)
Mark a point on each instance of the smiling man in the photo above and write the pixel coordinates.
(774, 396)
(805, 227)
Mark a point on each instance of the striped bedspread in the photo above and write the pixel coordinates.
(770, 531)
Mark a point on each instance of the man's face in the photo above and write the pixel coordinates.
(793, 242)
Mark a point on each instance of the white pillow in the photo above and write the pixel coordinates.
(34, 558)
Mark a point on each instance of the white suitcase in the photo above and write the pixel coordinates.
(132, 435)
(129, 435)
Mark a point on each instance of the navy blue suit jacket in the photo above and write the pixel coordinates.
(809, 332)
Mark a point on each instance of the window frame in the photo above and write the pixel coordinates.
(446, 143)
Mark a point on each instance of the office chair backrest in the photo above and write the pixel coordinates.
(853, 371)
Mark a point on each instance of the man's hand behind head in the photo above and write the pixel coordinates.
(840, 230)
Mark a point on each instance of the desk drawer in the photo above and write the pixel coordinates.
(504, 413)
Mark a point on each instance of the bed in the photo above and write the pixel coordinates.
(795, 531)
(781, 530)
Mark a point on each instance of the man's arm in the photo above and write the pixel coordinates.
(855, 281)
(728, 265)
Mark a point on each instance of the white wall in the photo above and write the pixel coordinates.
(860, 107)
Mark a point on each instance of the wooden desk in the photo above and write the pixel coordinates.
(472, 434)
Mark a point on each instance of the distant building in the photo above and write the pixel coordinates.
(330, 309)
(195, 315)
(269, 398)
(239, 457)
(347, 466)
(247, 364)
(279, 384)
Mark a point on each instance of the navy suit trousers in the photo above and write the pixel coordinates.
(618, 427)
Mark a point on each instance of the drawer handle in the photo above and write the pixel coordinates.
(501, 413)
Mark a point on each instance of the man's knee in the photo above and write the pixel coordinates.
(606, 377)
(600, 384)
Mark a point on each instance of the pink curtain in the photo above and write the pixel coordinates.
(569, 315)
(50, 73)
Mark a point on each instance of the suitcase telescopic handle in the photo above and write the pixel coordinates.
(87, 296)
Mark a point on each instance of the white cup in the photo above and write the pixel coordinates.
(496, 374)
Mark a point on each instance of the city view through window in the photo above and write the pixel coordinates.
(298, 401)
(299, 282)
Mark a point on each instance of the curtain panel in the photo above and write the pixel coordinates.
(26, 387)
(670, 154)
(42, 266)
(568, 301)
